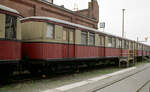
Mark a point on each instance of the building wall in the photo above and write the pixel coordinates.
(40, 8)
(92, 11)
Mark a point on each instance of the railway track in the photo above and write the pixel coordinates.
(97, 89)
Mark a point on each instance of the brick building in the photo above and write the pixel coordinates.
(88, 17)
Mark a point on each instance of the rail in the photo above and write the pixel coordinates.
(120, 79)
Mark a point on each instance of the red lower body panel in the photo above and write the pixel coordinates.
(43, 50)
(10, 50)
(144, 53)
(112, 52)
(147, 53)
(88, 52)
(59, 51)
(125, 52)
(140, 52)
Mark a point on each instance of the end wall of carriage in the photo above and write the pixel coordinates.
(11, 46)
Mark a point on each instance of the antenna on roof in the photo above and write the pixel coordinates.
(75, 6)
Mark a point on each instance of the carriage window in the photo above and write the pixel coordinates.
(10, 27)
(92, 39)
(50, 31)
(114, 42)
(120, 43)
(84, 38)
(131, 45)
(126, 44)
(109, 42)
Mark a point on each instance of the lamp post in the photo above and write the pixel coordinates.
(123, 10)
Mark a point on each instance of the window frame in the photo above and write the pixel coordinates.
(53, 32)
(91, 41)
(10, 27)
(113, 42)
(109, 41)
(83, 33)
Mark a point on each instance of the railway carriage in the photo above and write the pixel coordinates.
(10, 37)
(48, 41)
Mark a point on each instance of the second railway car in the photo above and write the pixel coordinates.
(47, 40)
(10, 37)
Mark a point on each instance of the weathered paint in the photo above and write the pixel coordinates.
(56, 51)
(10, 50)
(106, 41)
(125, 52)
(77, 37)
(112, 52)
(140, 52)
(88, 51)
(47, 50)
(97, 40)
(18, 29)
(32, 30)
(2, 25)
(58, 33)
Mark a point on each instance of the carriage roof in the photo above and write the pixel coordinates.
(5, 8)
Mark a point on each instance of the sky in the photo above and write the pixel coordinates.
(137, 16)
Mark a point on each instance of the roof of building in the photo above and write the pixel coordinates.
(65, 9)
(5, 8)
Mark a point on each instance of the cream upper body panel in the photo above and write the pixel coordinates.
(59, 33)
(33, 30)
(2, 25)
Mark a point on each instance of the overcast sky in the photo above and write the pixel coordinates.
(137, 16)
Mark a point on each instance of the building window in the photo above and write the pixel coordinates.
(50, 31)
(109, 42)
(92, 39)
(84, 38)
(10, 27)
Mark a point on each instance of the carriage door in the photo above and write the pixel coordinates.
(68, 47)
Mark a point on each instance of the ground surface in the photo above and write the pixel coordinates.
(138, 82)
(56, 81)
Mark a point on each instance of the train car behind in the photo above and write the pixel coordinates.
(10, 37)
